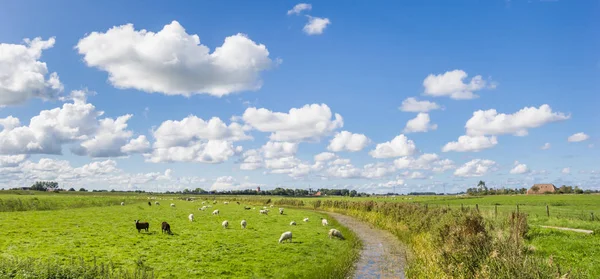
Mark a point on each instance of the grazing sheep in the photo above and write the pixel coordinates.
(172, 205)
(203, 202)
(335, 233)
(149, 204)
(156, 203)
(285, 236)
(281, 211)
(215, 202)
(264, 207)
(243, 224)
(225, 224)
(292, 223)
(262, 211)
(122, 203)
(191, 217)
(271, 206)
(141, 226)
(202, 208)
(216, 212)
(238, 202)
(225, 202)
(324, 222)
(247, 208)
(305, 219)
(166, 227)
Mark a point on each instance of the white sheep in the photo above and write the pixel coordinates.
(243, 224)
(172, 205)
(305, 219)
(202, 208)
(271, 205)
(281, 211)
(292, 223)
(225, 202)
(191, 217)
(285, 236)
(262, 211)
(324, 222)
(122, 203)
(216, 212)
(335, 233)
(264, 207)
(225, 224)
(203, 202)
(157, 203)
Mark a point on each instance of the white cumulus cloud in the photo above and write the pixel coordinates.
(419, 124)
(411, 104)
(324, 156)
(174, 62)
(470, 144)
(578, 137)
(315, 25)
(279, 149)
(546, 146)
(397, 147)
(519, 168)
(566, 171)
(475, 168)
(309, 122)
(23, 76)
(452, 84)
(137, 145)
(346, 141)
(299, 8)
(490, 122)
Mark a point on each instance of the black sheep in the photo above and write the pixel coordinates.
(141, 226)
(247, 208)
(166, 227)
(149, 204)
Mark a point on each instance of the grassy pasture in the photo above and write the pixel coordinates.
(196, 249)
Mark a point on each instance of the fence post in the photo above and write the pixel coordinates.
(517, 208)
(592, 215)
(547, 211)
(496, 211)
(477, 207)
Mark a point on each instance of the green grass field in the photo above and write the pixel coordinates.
(202, 248)
(93, 226)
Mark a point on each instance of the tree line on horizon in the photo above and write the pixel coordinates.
(483, 190)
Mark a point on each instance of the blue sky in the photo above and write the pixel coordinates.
(362, 64)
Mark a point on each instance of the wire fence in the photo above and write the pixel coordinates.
(537, 211)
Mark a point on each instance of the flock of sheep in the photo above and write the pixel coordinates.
(166, 228)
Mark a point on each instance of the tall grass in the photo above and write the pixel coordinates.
(450, 242)
(12, 267)
(10, 203)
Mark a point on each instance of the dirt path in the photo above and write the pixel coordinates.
(382, 256)
(568, 229)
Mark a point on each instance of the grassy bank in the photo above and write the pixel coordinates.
(450, 242)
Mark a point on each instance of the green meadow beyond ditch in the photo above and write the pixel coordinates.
(100, 239)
